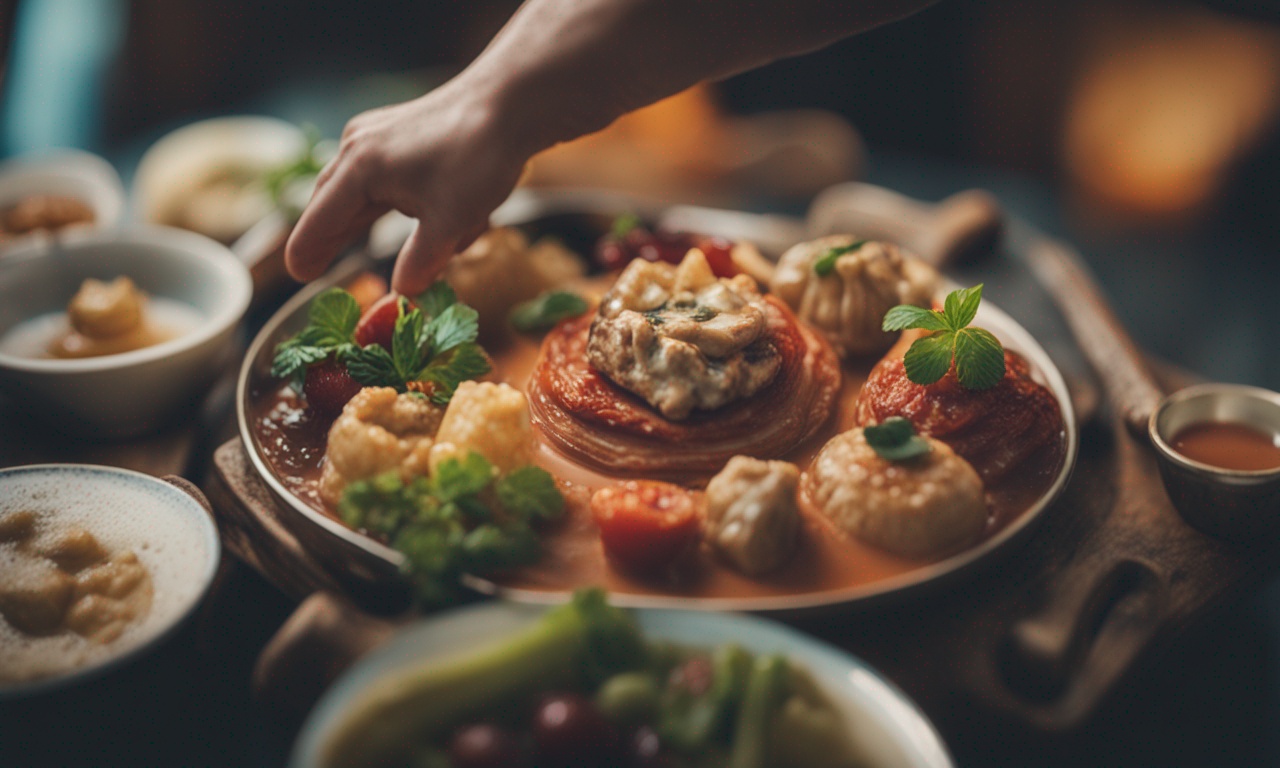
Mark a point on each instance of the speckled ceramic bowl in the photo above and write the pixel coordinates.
(166, 526)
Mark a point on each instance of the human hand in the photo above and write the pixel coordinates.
(446, 159)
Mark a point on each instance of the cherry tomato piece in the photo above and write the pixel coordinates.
(645, 525)
(569, 730)
(719, 253)
(378, 324)
(486, 746)
(328, 387)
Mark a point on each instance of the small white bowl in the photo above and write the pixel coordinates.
(64, 172)
(168, 529)
(132, 392)
(179, 162)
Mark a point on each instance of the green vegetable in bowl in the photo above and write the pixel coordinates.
(462, 519)
(583, 687)
(572, 645)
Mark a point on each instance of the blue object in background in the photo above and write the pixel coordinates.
(62, 50)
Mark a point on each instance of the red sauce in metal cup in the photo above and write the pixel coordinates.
(1229, 445)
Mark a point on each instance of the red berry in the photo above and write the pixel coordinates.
(486, 746)
(328, 387)
(570, 731)
(377, 325)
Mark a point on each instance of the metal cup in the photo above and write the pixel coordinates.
(1239, 505)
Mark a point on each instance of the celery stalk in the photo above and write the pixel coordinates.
(398, 713)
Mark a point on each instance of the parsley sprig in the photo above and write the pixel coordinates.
(976, 353)
(896, 440)
(462, 519)
(434, 341)
(826, 263)
(543, 312)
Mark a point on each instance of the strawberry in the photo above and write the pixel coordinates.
(328, 387)
(377, 325)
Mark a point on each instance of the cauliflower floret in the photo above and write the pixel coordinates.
(500, 269)
(378, 431)
(752, 517)
(490, 419)
(922, 507)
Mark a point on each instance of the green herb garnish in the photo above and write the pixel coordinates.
(977, 354)
(463, 519)
(307, 164)
(546, 310)
(624, 223)
(826, 263)
(433, 342)
(896, 440)
(331, 328)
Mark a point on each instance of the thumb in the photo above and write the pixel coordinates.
(421, 260)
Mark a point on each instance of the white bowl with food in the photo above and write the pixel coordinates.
(41, 195)
(209, 176)
(97, 565)
(586, 684)
(113, 332)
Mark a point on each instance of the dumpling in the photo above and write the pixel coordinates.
(752, 518)
(849, 304)
(501, 269)
(378, 431)
(927, 506)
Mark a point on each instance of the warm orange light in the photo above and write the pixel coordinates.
(1166, 106)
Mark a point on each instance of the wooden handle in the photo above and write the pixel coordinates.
(963, 228)
(323, 637)
(1097, 331)
(1054, 667)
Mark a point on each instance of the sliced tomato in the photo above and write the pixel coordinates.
(719, 253)
(378, 324)
(328, 387)
(645, 525)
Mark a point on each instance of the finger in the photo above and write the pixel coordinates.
(421, 260)
(337, 214)
(464, 242)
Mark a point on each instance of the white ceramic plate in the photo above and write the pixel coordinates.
(888, 727)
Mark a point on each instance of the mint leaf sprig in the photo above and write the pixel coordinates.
(434, 341)
(896, 440)
(976, 353)
(542, 313)
(463, 519)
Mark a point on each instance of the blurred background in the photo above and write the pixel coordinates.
(1145, 133)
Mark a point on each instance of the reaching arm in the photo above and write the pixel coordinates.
(559, 69)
